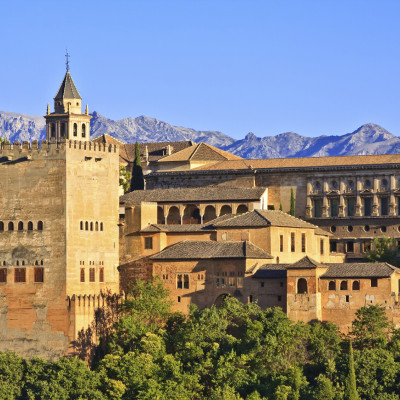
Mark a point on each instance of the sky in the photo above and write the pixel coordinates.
(235, 66)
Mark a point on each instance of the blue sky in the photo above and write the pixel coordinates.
(312, 67)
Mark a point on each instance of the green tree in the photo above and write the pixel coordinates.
(292, 203)
(324, 389)
(383, 250)
(280, 207)
(350, 392)
(137, 182)
(124, 177)
(4, 140)
(12, 371)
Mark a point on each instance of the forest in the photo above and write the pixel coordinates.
(139, 349)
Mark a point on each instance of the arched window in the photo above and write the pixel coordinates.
(41, 262)
(101, 226)
(36, 262)
(173, 216)
(97, 226)
(356, 285)
(81, 225)
(40, 226)
(91, 226)
(17, 263)
(332, 285)
(343, 285)
(191, 215)
(75, 129)
(20, 226)
(86, 226)
(209, 214)
(30, 226)
(302, 286)
(11, 226)
(62, 130)
(225, 210)
(83, 130)
(242, 209)
(1, 226)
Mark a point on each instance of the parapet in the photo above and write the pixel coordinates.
(45, 148)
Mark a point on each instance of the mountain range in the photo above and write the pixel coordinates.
(367, 139)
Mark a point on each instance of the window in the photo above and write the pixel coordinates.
(374, 282)
(91, 226)
(97, 226)
(81, 225)
(366, 245)
(82, 274)
(262, 284)
(1, 226)
(101, 226)
(351, 207)
(366, 228)
(384, 206)
(367, 206)
(10, 226)
(62, 130)
(350, 247)
(83, 130)
(75, 130)
(318, 208)
(356, 285)
(86, 226)
(333, 246)
(279, 298)
(3, 275)
(91, 274)
(281, 284)
(281, 243)
(186, 281)
(334, 207)
(20, 226)
(30, 226)
(322, 247)
(101, 275)
(332, 285)
(148, 242)
(303, 242)
(40, 226)
(343, 285)
(19, 275)
(350, 228)
(38, 274)
(292, 242)
(179, 281)
(251, 298)
(302, 286)
(347, 298)
(217, 282)
(179, 299)
(53, 130)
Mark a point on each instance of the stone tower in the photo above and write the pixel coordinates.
(67, 121)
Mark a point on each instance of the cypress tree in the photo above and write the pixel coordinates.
(280, 207)
(292, 204)
(137, 182)
(350, 391)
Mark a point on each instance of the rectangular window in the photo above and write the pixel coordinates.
(101, 275)
(179, 281)
(333, 246)
(318, 208)
(292, 242)
(148, 242)
(262, 284)
(350, 247)
(251, 298)
(82, 274)
(20, 275)
(239, 282)
(366, 245)
(368, 206)
(351, 207)
(374, 282)
(39, 274)
(279, 298)
(91, 274)
(186, 281)
(384, 206)
(3, 275)
(217, 282)
(281, 243)
(322, 246)
(303, 242)
(334, 207)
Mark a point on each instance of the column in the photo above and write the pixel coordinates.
(309, 201)
(325, 205)
(358, 212)
(392, 202)
(341, 198)
(375, 201)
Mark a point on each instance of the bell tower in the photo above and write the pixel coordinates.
(67, 121)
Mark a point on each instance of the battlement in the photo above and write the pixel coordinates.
(45, 148)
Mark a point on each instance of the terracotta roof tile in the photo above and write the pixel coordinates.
(306, 263)
(359, 270)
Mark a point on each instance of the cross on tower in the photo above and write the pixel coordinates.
(67, 59)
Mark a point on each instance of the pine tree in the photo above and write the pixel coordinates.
(280, 207)
(137, 182)
(292, 203)
(350, 391)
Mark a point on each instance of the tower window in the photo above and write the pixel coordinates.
(81, 224)
(30, 226)
(86, 226)
(281, 243)
(20, 275)
(101, 275)
(20, 226)
(148, 242)
(292, 242)
(97, 226)
(83, 130)
(75, 129)
(40, 226)
(10, 226)
(1, 226)
(91, 226)
(39, 275)
(82, 274)
(3, 275)
(53, 130)
(101, 226)
(303, 242)
(91, 274)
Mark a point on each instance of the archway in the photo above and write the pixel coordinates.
(191, 215)
(174, 217)
(302, 286)
(219, 301)
(209, 214)
(225, 210)
(242, 209)
(160, 215)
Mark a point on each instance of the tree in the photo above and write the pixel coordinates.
(292, 203)
(280, 207)
(124, 177)
(383, 250)
(4, 140)
(137, 182)
(350, 392)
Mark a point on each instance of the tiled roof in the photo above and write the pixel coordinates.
(359, 270)
(271, 271)
(67, 89)
(175, 228)
(306, 263)
(155, 150)
(200, 250)
(303, 162)
(200, 152)
(322, 232)
(209, 193)
(264, 218)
